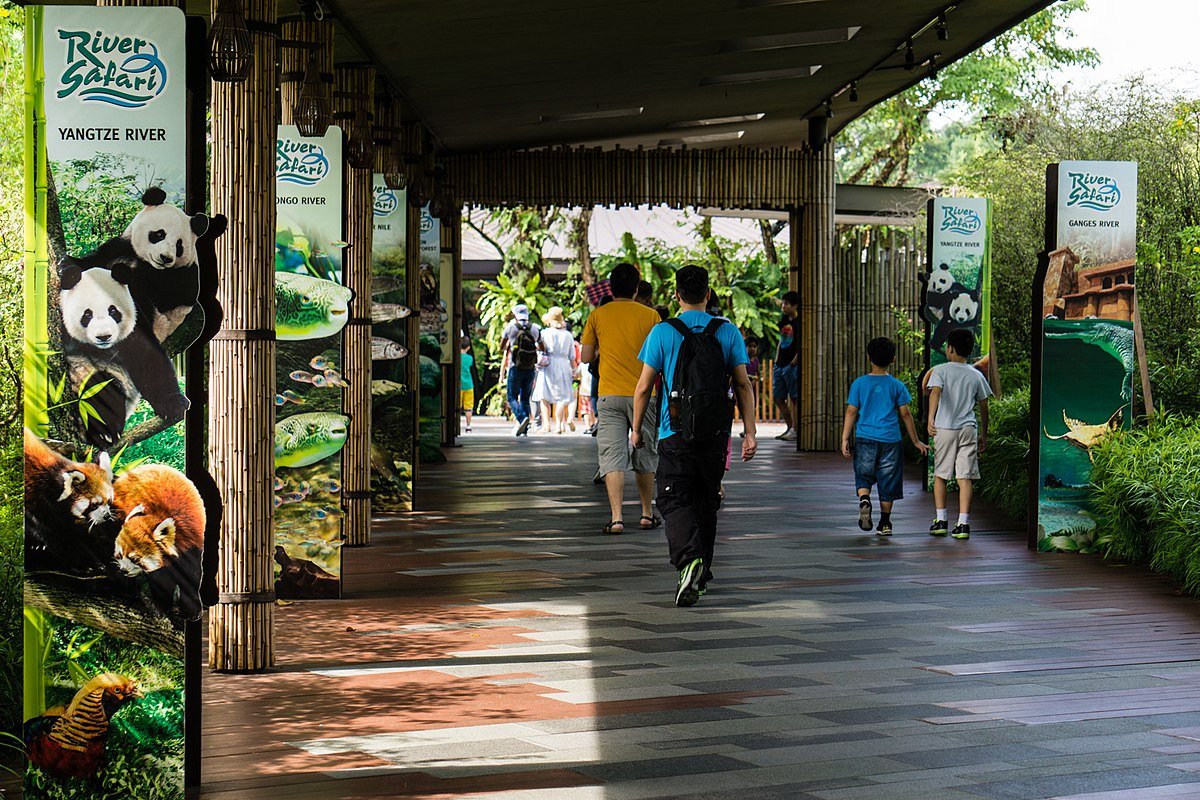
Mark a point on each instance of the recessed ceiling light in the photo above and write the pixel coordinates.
(761, 75)
(703, 139)
(596, 113)
(776, 41)
(701, 123)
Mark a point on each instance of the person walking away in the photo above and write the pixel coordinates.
(466, 394)
(645, 294)
(785, 388)
(585, 396)
(697, 355)
(520, 343)
(557, 375)
(958, 438)
(876, 406)
(616, 332)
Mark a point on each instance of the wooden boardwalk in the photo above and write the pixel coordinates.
(496, 644)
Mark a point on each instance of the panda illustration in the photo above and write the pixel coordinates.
(960, 309)
(167, 278)
(107, 337)
(938, 284)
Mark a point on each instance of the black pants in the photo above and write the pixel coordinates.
(689, 497)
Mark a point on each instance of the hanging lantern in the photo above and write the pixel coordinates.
(313, 113)
(449, 204)
(396, 172)
(436, 188)
(230, 51)
(360, 149)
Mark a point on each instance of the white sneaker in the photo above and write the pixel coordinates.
(783, 435)
(788, 436)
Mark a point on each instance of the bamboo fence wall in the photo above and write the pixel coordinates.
(354, 89)
(293, 58)
(820, 318)
(242, 356)
(776, 178)
(874, 280)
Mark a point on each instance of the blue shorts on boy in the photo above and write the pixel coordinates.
(878, 452)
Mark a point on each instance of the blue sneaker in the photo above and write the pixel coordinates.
(689, 583)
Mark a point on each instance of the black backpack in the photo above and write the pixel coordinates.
(698, 402)
(525, 353)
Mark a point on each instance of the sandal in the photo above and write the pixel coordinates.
(654, 522)
(612, 527)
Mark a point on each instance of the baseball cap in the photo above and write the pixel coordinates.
(521, 312)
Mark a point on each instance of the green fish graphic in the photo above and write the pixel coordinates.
(304, 439)
(309, 308)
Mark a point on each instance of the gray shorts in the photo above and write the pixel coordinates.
(956, 453)
(614, 416)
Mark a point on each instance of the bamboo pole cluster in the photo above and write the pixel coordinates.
(821, 320)
(354, 88)
(739, 177)
(242, 357)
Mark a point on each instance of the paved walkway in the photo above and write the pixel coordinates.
(497, 644)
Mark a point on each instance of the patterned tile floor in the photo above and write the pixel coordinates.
(495, 644)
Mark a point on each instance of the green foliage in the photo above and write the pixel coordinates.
(894, 143)
(98, 196)
(1004, 464)
(1147, 496)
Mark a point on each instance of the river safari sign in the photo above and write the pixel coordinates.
(1083, 343)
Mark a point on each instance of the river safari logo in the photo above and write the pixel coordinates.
(960, 220)
(385, 201)
(1094, 191)
(300, 163)
(111, 68)
(426, 221)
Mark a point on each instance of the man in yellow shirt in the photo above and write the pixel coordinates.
(616, 332)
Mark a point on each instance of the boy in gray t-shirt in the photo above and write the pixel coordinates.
(954, 389)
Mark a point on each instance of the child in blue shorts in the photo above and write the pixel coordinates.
(876, 405)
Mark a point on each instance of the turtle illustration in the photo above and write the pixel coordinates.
(1085, 436)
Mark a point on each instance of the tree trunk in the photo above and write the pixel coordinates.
(580, 226)
(768, 240)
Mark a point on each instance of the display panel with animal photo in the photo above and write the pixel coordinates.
(1084, 335)
(115, 528)
(312, 306)
(392, 398)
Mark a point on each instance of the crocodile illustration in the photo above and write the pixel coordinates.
(1116, 340)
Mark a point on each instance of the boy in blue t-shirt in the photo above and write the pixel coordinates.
(689, 473)
(876, 405)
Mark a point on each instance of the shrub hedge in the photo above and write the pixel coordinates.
(1146, 492)
(1004, 464)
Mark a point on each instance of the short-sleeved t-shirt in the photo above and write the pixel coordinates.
(661, 352)
(510, 332)
(618, 330)
(962, 387)
(787, 341)
(465, 378)
(878, 399)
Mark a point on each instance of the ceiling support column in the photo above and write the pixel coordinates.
(242, 355)
(354, 95)
(820, 323)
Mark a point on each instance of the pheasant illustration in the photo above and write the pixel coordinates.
(69, 743)
(1085, 436)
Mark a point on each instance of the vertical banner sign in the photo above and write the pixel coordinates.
(311, 308)
(392, 404)
(1083, 332)
(449, 337)
(958, 286)
(114, 529)
(433, 333)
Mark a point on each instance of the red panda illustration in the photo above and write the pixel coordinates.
(68, 510)
(163, 533)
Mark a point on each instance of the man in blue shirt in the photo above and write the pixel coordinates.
(689, 472)
(875, 407)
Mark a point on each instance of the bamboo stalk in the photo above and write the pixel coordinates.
(242, 370)
(354, 89)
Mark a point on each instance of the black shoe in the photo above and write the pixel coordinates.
(864, 513)
(940, 527)
(884, 529)
(688, 591)
(962, 531)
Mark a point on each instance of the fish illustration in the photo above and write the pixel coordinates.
(1085, 436)
(331, 485)
(278, 483)
(301, 375)
(386, 350)
(304, 439)
(320, 363)
(386, 312)
(278, 502)
(293, 397)
(319, 381)
(309, 308)
(279, 400)
(292, 497)
(381, 388)
(319, 513)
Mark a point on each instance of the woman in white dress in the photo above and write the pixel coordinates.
(555, 378)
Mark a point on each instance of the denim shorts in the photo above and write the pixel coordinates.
(785, 383)
(880, 463)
